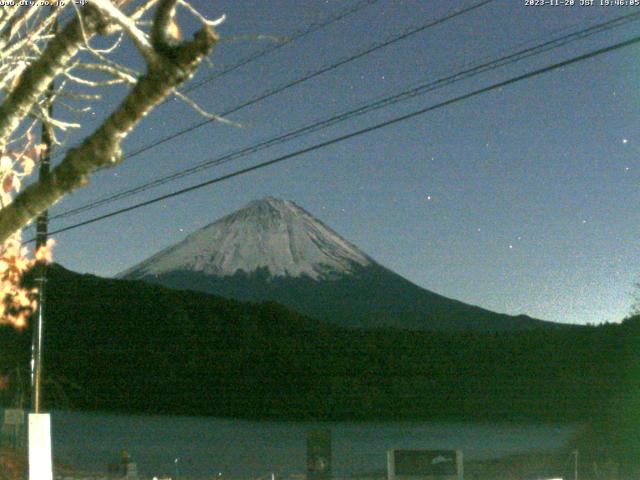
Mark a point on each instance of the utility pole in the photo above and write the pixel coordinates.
(42, 226)
(575, 465)
(42, 230)
(40, 458)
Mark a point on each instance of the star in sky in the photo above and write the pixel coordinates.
(521, 168)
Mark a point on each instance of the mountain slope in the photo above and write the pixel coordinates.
(274, 250)
(373, 297)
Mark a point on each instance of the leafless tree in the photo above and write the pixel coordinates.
(38, 46)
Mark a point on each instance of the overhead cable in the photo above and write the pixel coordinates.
(366, 108)
(357, 133)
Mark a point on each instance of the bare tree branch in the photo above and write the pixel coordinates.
(170, 69)
(163, 33)
(114, 71)
(128, 25)
(36, 78)
(32, 55)
(142, 9)
(201, 111)
(8, 13)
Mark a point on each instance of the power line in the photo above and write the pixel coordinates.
(314, 27)
(384, 102)
(357, 133)
(269, 93)
(295, 36)
(274, 91)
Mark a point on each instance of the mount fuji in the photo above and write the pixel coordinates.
(274, 250)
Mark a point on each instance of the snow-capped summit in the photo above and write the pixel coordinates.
(274, 250)
(272, 234)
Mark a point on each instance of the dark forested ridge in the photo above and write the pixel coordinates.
(131, 346)
(369, 298)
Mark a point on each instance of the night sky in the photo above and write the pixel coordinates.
(520, 200)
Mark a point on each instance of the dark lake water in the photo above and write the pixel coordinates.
(205, 446)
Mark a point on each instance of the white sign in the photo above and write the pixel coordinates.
(40, 467)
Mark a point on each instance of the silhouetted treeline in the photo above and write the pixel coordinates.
(129, 346)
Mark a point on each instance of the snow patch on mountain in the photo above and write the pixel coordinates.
(270, 233)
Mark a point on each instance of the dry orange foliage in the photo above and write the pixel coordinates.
(16, 302)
